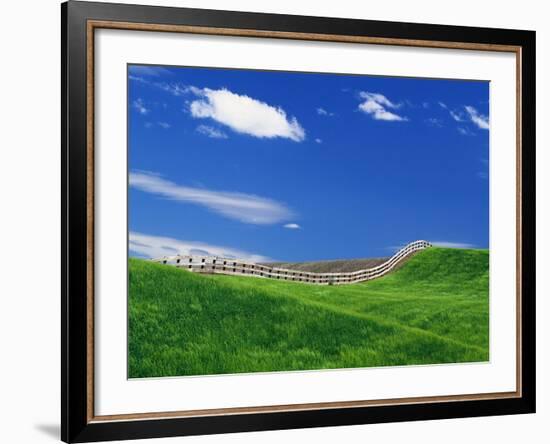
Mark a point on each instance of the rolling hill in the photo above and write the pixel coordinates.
(433, 310)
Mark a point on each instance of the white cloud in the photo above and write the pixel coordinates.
(324, 112)
(443, 244)
(446, 244)
(147, 70)
(247, 208)
(241, 113)
(176, 89)
(140, 107)
(456, 116)
(319, 140)
(292, 226)
(464, 131)
(245, 115)
(159, 246)
(483, 175)
(138, 79)
(375, 104)
(163, 125)
(434, 122)
(480, 120)
(211, 132)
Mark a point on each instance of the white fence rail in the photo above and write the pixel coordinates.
(220, 265)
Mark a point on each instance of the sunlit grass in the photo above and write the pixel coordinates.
(432, 310)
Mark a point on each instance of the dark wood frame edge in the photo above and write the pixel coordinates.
(78, 422)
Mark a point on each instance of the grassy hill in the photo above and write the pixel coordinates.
(434, 309)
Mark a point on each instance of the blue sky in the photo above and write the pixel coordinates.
(303, 166)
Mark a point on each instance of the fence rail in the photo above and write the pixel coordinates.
(220, 265)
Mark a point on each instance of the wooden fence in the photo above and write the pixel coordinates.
(220, 265)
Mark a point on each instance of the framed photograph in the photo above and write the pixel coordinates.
(276, 221)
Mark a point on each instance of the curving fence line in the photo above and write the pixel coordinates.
(220, 265)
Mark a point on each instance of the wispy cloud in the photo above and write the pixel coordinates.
(443, 244)
(292, 226)
(480, 120)
(241, 113)
(376, 105)
(324, 112)
(245, 115)
(318, 140)
(447, 244)
(139, 106)
(138, 79)
(159, 246)
(148, 71)
(483, 175)
(464, 131)
(211, 132)
(457, 116)
(163, 125)
(433, 121)
(176, 89)
(247, 208)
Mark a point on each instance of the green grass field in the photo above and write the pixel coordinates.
(434, 309)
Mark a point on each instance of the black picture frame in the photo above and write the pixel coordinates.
(76, 423)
